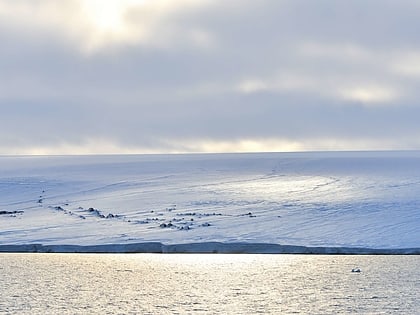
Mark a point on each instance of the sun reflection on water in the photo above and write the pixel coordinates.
(206, 283)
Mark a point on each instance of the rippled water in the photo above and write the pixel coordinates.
(214, 284)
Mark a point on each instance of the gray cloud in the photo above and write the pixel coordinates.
(210, 76)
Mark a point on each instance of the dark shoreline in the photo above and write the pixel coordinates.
(204, 248)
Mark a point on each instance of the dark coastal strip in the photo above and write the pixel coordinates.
(204, 248)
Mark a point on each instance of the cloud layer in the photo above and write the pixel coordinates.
(208, 76)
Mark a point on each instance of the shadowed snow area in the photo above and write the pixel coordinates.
(347, 199)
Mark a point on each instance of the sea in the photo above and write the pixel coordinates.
(33, 283)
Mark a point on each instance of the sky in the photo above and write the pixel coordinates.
(166, 76)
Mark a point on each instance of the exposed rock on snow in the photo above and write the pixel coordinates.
(99, 214)
(3, 212)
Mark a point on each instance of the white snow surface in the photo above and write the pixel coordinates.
(329, 199)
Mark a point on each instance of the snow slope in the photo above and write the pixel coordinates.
(343, 199)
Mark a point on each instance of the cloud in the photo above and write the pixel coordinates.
(182, 76)
(349, 74)
(407, 64)
(369, 94)
(94, 25)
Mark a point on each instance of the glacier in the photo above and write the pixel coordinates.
(307, 202)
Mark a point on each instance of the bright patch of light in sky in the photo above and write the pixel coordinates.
(106, 16)
(107, 22)
(368, 95)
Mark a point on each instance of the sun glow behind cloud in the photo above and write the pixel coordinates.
(106, 20)
(107, 23)
(93, 25)
(107, 16)
(130, 22)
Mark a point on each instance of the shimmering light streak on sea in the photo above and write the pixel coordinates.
(199, 284)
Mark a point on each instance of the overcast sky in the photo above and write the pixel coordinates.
(115, 76)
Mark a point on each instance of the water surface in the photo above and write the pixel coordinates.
(207, 284)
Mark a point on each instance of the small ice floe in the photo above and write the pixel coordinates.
(356, 270)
